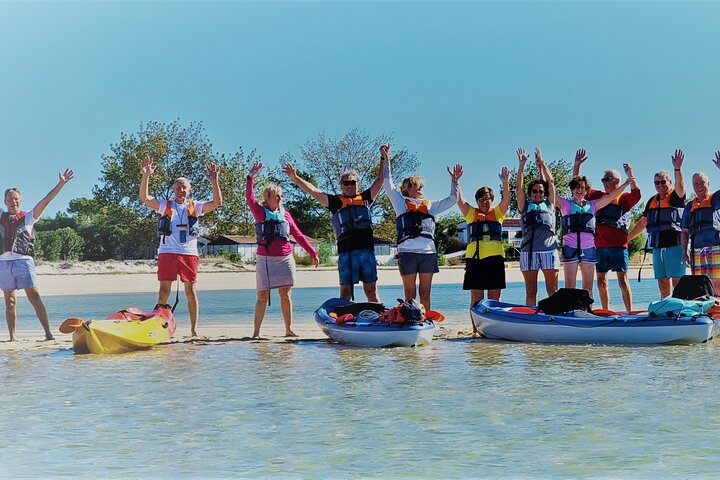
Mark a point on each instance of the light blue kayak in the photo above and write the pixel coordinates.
(520, 323)
(367, 331)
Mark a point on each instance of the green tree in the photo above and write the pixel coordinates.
(446, 230)
(61, 244)
(179, 151)
(637, 244)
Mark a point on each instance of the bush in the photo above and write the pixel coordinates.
(61, 244)
(304, 260)
(454, 261)
(324, 252)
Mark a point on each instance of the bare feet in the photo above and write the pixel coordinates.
(290, 333)
(48, 337)
(193, 333)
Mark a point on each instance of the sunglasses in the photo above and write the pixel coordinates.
(537, 191)
(608, 179)
(349, 183)
(660, 182)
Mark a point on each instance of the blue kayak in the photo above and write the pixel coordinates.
(521, 323)
(365, 330)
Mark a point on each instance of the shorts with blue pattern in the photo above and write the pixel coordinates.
(357, 266)
(17, 274)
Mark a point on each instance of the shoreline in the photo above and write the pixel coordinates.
(105, 278)
(109, 278)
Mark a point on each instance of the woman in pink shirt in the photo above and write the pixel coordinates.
(275, 266)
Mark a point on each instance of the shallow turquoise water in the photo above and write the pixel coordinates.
(456, 409)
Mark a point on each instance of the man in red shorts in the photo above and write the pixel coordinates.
(178, 229)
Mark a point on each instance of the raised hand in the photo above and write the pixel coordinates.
(257, 166)
(504, 174)
(538, 157)
(385, 152)
(212, 172)
(717, 159)
(147, 165)
(522, 155)
(289, 170)
(580, 156)
(677, 159)
(66, 176)
(456, 172)
(628, 170)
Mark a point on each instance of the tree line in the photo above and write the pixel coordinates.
(113, 223)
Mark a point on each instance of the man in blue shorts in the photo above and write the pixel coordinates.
(352, 225)
(611, 231)
(662, 217)
(17, 254)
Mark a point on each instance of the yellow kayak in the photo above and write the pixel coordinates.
(125, 331)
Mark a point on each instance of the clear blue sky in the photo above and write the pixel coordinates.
(456, 82)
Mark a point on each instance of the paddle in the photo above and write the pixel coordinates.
(69, 325)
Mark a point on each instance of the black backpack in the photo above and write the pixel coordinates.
(566, 299)
(691, 287)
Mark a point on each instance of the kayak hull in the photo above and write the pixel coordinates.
(119, 334)
(372, 334)
(505, 321)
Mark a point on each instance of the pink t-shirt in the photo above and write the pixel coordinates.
(280, 247)
(587, 240)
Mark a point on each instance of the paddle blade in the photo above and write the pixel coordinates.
(434, 315)
(69, 325)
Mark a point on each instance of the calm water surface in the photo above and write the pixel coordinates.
(457, 409)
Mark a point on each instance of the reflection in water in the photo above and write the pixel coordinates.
(455, 409)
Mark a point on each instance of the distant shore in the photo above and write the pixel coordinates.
(71, 278)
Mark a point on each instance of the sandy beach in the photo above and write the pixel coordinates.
(136, 277)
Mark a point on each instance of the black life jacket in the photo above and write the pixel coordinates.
(275, 226)
(14, 237)
(415, 222)
(353, 215)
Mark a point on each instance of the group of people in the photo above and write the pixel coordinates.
(595, 228)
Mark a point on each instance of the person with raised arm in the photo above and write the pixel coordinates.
(578, 229)
(178, 229)
(415, 225)
(352, 226)
(485, 253)
(538, 250)
(662, 217)
(17, 258)
(701, 229)
(275, 266)
(612, 223)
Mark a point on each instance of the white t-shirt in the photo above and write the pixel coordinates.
(172, 243)
(30, 221)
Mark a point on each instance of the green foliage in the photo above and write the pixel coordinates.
(179, 151)
(637, 244)
(303, 260)
(446, 230)
(324, 252)
(60, 244)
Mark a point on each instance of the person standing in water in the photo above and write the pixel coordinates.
(538, 250)
(17, 261)
(179, 229)
(662, 218)
(353, 228)
(415, 225)
(485, 253)
(612, 224)
(275, 266)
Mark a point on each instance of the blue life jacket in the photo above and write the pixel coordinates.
(14, 237)
(415, 222)
(273, 227)
(614, 215)
(353, 215)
